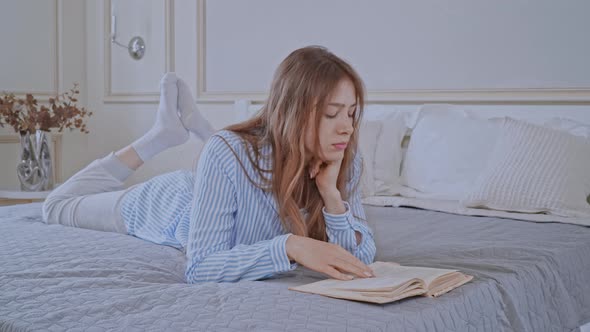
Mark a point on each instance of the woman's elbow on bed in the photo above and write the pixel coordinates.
(366, 250)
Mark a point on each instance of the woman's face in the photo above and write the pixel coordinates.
(336, 124)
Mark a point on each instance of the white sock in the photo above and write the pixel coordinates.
(168, 130)
(191, 117)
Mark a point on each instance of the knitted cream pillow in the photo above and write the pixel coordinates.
(535, 169)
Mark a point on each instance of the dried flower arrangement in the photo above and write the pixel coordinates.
(25, 115)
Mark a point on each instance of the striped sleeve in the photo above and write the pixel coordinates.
(341, 228)
(211, 254)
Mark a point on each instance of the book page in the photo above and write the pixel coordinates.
(427, 274)
(381, 268)
(441, 286)
(377, 284)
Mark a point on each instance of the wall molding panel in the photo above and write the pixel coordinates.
(43, 96)
(388, 96)
(111, 96)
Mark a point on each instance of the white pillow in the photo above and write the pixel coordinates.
(535, 169)
(448, 150)
(369, 132)
(568, 125)
(388, 155)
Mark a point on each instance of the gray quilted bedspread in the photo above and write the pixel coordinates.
(528, 277)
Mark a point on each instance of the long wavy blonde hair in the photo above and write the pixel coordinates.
(300, 90)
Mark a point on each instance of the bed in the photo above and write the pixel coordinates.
(443, 198)
(528, 277)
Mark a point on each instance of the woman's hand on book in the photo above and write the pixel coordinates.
(327, 258)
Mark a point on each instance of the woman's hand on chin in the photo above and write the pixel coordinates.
(328, 258)
(325, 174)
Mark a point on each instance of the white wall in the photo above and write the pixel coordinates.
(527, 58)
(406, 51)
(44, 54)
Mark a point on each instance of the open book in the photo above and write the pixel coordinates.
(392, 282)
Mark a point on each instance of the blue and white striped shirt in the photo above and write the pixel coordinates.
(229, 227)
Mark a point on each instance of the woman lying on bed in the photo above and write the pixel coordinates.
(267, 193)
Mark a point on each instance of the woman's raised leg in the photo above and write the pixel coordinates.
(90, 198)
(191, 117)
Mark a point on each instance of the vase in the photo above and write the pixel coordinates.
(35, 171)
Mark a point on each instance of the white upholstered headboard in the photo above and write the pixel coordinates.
(531, 113)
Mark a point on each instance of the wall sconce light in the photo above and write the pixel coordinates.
(136, 46)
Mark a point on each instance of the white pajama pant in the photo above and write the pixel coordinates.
(91, 198)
